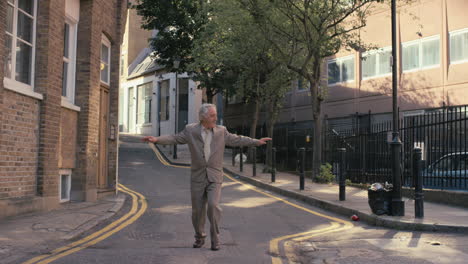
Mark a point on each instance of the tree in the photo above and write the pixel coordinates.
(232, 42)
(312, 30)
(179, 25)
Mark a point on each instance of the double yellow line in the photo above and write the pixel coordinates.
(335, 226)
(139, 206)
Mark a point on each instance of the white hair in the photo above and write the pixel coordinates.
(204, 110)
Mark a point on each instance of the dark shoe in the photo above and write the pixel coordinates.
(215, 246)
(199, 242)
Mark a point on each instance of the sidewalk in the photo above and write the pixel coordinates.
(437, 217)
(38, 233)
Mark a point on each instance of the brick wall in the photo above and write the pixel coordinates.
(37, 137)
(19, 146)
(49, 55)
(18, 135)
(2, 55)
(68, 131)
(106, 18)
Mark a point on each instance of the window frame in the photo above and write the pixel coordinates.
(68, 173)
(147, 85)
(106, 42)
(167, 99)
(377, 62)
(420, 42)
(340, 61)
(10, 82)
(454, 33)
(72, 50)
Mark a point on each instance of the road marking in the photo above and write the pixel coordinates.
(274, 244)
(100, 235)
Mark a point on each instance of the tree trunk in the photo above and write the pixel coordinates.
(317, 143)
(209, 95)
(253, 128)
(316, 96)
(271, 124)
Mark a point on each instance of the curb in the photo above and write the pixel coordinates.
(119, 201)
(370, 219)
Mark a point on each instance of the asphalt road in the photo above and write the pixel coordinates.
(256, 227)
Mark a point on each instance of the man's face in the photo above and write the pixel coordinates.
(210, 119)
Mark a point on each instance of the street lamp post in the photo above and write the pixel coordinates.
(176, 98)
(398, 205)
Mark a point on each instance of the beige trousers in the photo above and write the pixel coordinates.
(206, 194)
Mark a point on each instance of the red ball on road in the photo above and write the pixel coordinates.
(355, 218)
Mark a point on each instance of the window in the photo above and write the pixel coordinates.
(376, 63)
(164, 100)
(65, 185)
(69, 60)
(459, 46)
(144, 103)
(301, 84)
(20, 42)
(420, 54)
(341, 70)
(105, 60)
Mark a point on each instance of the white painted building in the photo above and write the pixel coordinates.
(147, 103)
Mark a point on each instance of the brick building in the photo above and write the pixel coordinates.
(432, 62)
(58, 101)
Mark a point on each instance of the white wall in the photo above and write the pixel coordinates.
(167, 127)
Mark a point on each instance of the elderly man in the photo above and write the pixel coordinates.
(206, 142)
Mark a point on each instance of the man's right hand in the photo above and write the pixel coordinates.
(150, 139)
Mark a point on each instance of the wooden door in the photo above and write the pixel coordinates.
(103, 132)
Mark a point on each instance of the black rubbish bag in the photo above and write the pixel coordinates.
(380, 200)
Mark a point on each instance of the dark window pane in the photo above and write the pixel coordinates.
(105, 73)
(64, 78)
(333, 73)
(105, 53)
(10, 19)
(66, 33)
(25, 27)
(26, 5)
(23, 62)
(9, 54)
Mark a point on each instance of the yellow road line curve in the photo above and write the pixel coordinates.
(99, 235)
(274, 244)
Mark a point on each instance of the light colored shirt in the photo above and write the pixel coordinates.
(207, 135)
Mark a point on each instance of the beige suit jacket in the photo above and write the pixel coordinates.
(213, 168)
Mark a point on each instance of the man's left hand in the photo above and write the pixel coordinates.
(263, 141)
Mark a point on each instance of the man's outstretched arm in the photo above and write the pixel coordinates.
(237, 141)
(180, 138)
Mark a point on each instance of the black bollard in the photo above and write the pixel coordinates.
(233, 157)
(241, 162)
(418, 180)
(273, 164)
(254, 160)
(342, 175)
(302, 167)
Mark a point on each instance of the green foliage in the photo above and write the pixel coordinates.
(178, 22)
(325, 175)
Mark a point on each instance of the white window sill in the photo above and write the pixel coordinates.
(67, 104)
(145, 125)
(422, 68)
(458, 62)
(377, 76)
(21, 88)
(341, 83)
